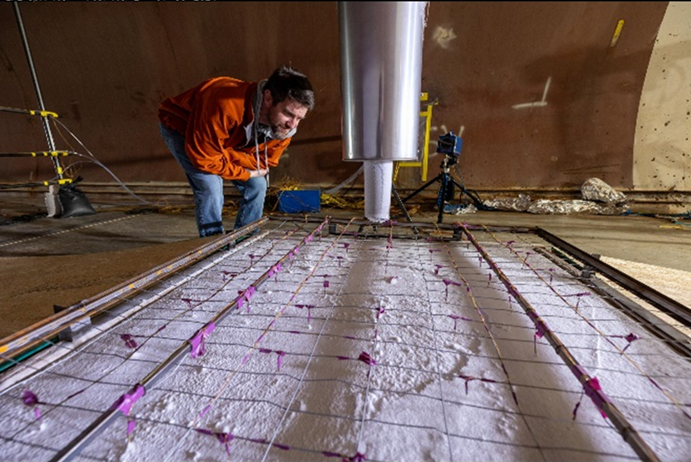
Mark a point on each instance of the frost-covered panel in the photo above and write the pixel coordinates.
(363, 348)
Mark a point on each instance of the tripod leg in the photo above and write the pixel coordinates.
(441, 197)
(475, 200)
(433, 180)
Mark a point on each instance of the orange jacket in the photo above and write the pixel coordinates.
(214, 117)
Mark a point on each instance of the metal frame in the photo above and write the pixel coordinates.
(35, 335)
(44, 115)
(19, 342)
(661, 301)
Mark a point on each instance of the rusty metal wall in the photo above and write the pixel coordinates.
(104, 67)
(503, 57)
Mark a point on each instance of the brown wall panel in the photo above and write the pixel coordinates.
(504, 55)
(105, 67)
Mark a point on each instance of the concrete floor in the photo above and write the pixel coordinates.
(48, 261)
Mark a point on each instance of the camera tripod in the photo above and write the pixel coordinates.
(446, 189)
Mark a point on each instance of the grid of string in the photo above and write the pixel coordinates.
(409, 335)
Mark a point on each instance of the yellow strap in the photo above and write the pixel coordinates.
(60, 181)
(43, 113)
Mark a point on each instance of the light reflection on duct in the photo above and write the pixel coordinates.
(381, 70)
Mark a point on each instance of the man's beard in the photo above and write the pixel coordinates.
(276, 132)
(278, 135)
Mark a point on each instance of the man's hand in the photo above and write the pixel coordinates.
(256, 173)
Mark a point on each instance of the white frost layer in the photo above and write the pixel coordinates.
(439, 389)
(378, 177)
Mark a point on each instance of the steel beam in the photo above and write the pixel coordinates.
(661, 301)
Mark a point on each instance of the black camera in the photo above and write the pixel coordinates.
(449, 145)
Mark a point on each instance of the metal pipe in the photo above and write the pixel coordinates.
(381, 72)
(34, 78)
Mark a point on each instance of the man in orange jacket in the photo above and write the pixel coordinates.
(227, 129)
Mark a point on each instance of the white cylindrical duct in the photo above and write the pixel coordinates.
(378, 176)
(381, 71)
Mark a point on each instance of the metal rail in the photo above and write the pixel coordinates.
(673, 338)
(419, 224)
(36, 334)
(625, 428)
(74, 447)
(661, 301)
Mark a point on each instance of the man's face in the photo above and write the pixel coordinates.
(283, 117)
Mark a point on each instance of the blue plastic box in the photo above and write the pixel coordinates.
(299, 201)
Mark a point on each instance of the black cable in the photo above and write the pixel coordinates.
(472, 194)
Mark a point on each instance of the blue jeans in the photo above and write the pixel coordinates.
(207, 189)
